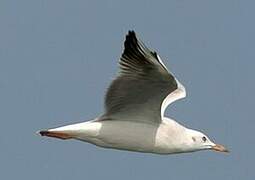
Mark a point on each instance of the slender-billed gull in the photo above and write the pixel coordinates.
(134, 109)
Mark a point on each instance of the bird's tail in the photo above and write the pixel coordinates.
(55, 134)
(66, 132)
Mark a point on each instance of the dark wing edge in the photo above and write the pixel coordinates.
(136, 56)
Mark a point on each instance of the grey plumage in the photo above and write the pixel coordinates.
(141, 86)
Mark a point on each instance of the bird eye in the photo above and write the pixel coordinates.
(204, 138)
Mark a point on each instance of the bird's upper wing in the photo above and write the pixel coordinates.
(144, 87)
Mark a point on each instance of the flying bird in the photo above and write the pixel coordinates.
(135, 103)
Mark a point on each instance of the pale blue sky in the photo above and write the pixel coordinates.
(58, 56)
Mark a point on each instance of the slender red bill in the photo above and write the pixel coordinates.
(219, 148)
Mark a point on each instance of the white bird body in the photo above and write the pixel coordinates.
(134, 109)
(131, 135)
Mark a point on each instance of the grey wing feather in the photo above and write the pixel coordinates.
(141, 86)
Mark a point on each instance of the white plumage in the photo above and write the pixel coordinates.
(134, 109)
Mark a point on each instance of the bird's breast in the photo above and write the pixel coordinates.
(129, 135)
(126, 135)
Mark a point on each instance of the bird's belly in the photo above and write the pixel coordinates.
(127, 135)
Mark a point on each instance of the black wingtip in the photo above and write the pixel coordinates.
(131, 38)
(131, 35)
(131, 42)
(131, 32)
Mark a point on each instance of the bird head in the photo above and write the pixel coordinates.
(199, 141)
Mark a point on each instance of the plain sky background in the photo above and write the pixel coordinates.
(57, 58)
